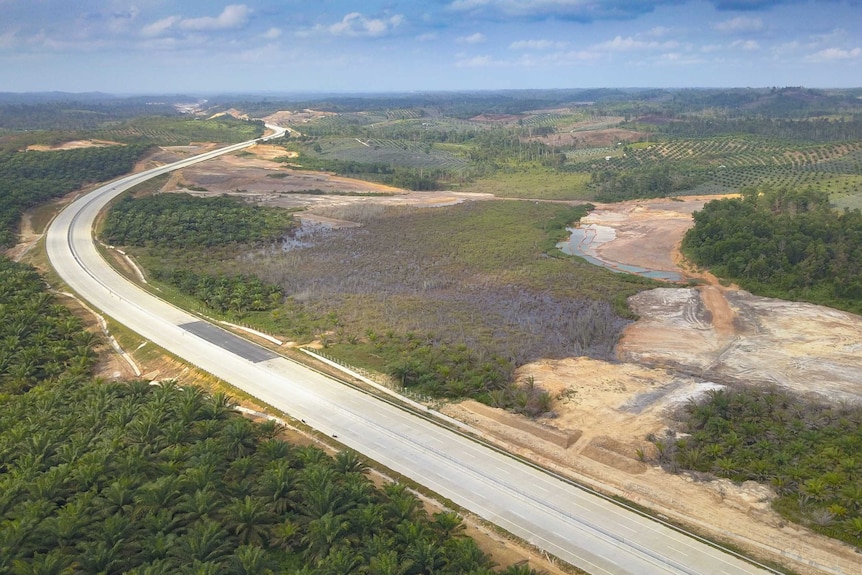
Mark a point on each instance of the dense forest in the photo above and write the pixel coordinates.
(782, 243)
(185, 221)
(30, 178)
(808, 452)
(114, 477)
(655, 182)
(39, 339)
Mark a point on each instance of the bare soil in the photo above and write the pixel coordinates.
(257, 177)
(590, 138)
(74, 145)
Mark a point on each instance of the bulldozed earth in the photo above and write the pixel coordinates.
(686, 341)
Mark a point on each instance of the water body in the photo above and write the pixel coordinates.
(584, 241)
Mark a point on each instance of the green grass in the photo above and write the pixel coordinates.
(534, 183)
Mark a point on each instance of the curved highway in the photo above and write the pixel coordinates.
(570, 523)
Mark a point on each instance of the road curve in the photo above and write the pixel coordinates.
(578, 527)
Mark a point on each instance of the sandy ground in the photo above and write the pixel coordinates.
(73, 145)
(259, 178)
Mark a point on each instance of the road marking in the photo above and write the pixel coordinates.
(683, 553)
(626, 527)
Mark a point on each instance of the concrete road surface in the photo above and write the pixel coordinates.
(570, 523)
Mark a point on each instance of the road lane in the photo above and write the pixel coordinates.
(566, 521)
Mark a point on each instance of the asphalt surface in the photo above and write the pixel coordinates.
(580, 528)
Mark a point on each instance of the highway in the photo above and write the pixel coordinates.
(578, 527)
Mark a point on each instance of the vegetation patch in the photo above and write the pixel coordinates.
(184, 130)
(39, 339)
(808, 452)
(184, 221)
(30, 178)
(236, 294)
(783, 243)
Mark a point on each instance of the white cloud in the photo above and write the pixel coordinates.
(659, 31)
(748, 45)
(620, 44)
(468, 4)
(355, 24)
(159, 27)
(8, 39)
(739, 24)
(427, 37)
(835, 54)
(476, 62)
(272, 33)
(476, 38)
(233, 16)
(537, 45)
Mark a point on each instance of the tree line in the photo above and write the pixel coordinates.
(653, 182)
(185, 221)
(131, 477)
(791, 130)
(782, 243)
(30, 178)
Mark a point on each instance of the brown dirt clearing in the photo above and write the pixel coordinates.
(256, 177)
(74, 145)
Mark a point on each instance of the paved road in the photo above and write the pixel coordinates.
(580, 528)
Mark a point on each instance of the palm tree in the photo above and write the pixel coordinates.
(159, 494)
(52, 563)
(463, 556)
(284, 535)
(339, 561)
(205, 541)
(239, 437)
(198, 505)
(348, 461)
(448, 524)
(276, 486)
(251, 560)
(386, 563)
(402, 505)
(248, 520)
(425, 556)
(322, 533)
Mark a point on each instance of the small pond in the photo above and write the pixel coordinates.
(584, 241)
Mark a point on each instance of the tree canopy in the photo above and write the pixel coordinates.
(130, 477)
(185, 221)
(782, 243)
(31, 178)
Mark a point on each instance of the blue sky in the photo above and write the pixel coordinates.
(159, 46)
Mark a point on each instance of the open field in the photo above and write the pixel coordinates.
(533, 184)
